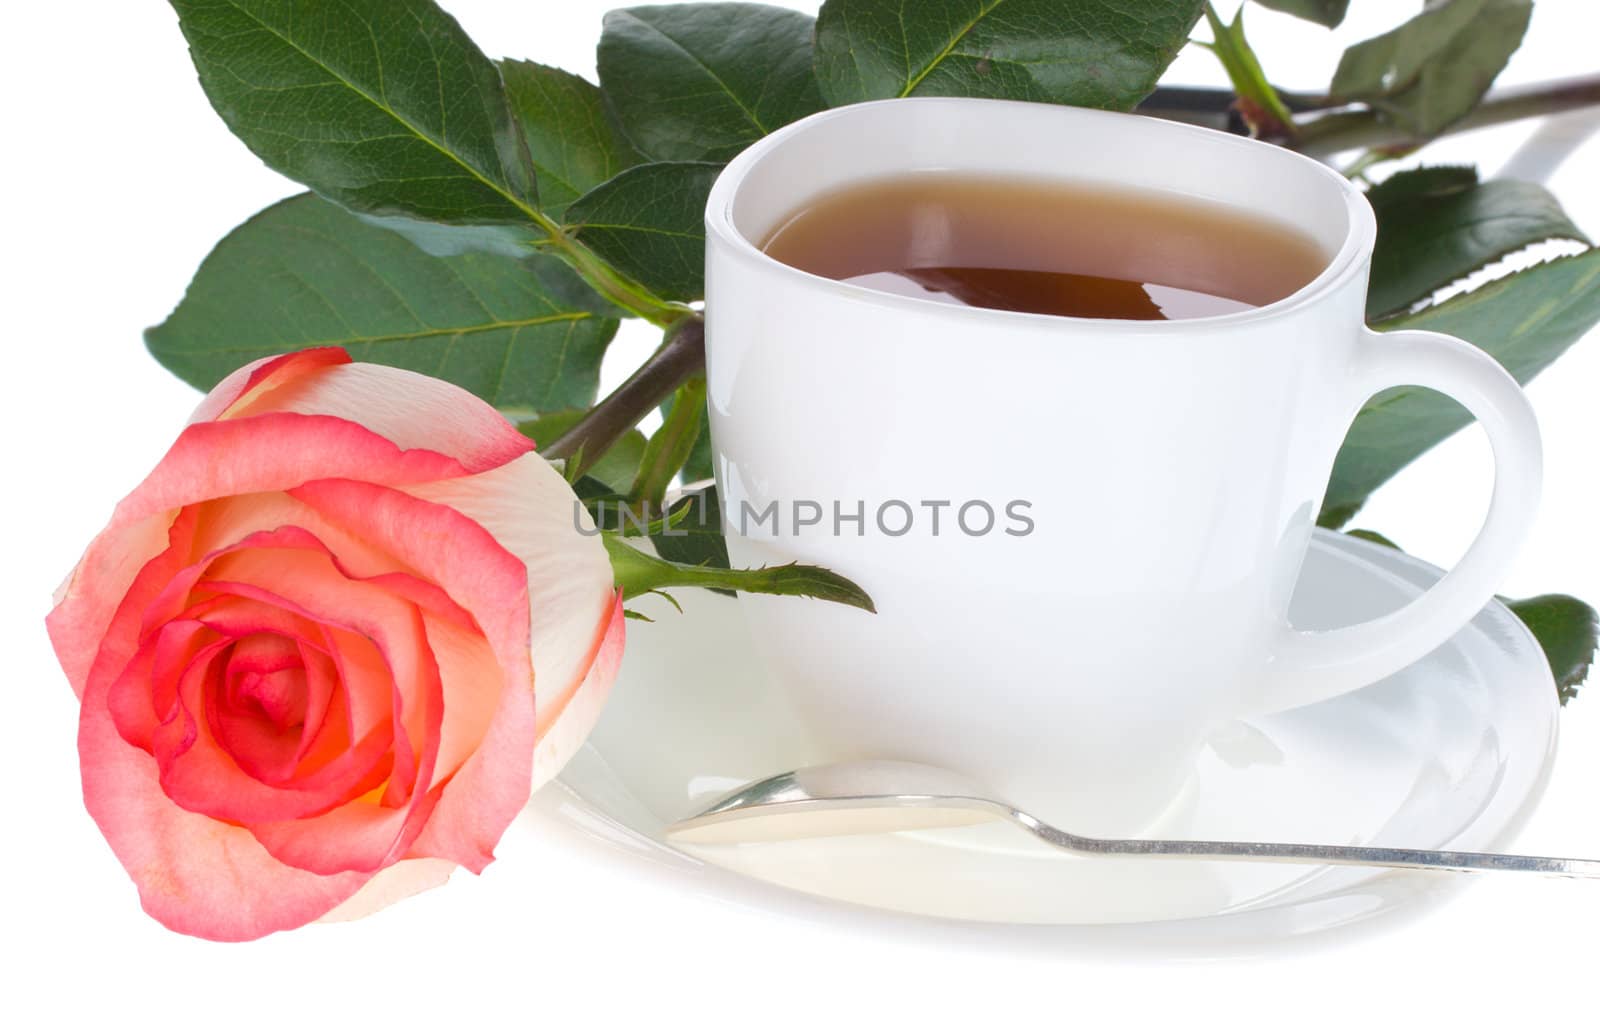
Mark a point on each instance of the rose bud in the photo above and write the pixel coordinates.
(327, 648)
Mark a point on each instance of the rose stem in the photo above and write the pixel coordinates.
(1326, 130)
(681, 355)
(1336, 131)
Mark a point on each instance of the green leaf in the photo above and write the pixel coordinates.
(1568, 630)
(436, 239)
(1439, 224)
(383, 106)
(1524, 320)
(638, 572)
(1372, 536)
(593, 490)
(649, 223)
(305, 273)
(614, 470)
(672, 443)
(695, 533)
(572, 137)
(1088, 53)
(702, 81)
(667, 520)
(1259, 102)
(1432, 70)
(1328, 13)
(698, 466)
(608, 507)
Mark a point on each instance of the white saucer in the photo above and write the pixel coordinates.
(1453, 752)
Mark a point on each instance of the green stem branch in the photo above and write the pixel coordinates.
(607, 280)
(1259, 103)
(1336, 131)
(638, 573)
(669, 447)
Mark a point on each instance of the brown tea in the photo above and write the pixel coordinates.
(1047, 247)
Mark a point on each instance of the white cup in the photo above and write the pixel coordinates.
(1171, 470)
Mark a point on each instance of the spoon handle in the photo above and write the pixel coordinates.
(1326, 854)
(878, 797)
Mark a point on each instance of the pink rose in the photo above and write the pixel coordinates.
(309, 646)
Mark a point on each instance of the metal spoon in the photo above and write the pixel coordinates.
(876, 797)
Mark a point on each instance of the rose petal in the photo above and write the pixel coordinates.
(199, 775)
(563, 728)
(99, 610)
(263, 375)
(240, 608)
(412, 410)
(226, 522)
(530, 510)
(274, 452)
(330, 721)
(263, 454)
(401, 691)
(491, 584)
(356, 836)
(288, 567)
(472, 681)
(267, 676)
(402, 880)
(260, 717)
(195, 874)
(135, 707)
(287, 570)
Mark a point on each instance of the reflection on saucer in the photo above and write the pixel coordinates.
(1452, 751)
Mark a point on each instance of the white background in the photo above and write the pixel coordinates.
(119, 178)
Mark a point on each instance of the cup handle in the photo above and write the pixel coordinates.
(1309, 666)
